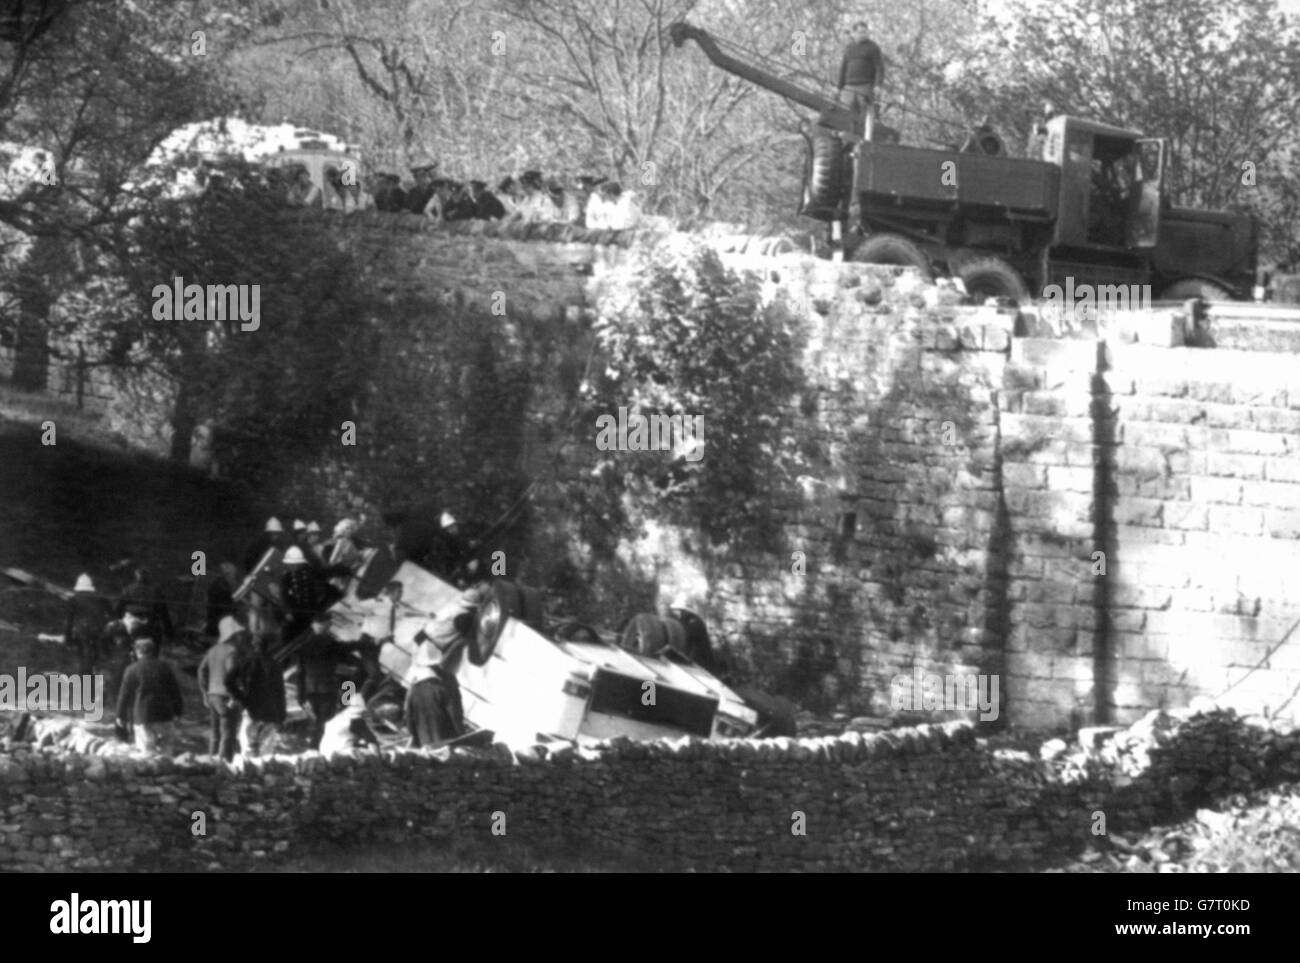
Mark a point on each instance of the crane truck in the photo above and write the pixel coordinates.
(1092, 209)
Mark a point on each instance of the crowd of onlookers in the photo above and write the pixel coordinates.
(585, 200)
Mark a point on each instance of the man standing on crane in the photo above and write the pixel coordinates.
(861, 69)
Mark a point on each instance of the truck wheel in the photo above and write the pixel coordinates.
(992, 277)
(893, 249)
(698, 647)
(824, 176)
(504, 602)
(1195, 288)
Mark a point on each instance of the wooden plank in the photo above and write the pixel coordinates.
(35, 581)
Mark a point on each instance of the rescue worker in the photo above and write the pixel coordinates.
(257, 682)
(87, 625)
(223, 708)
(342, 553)
(150, 700)
(318, 687)
(303, 591)
(143, 600)
(433, 705)
(272, 537)
(451, 555)
(312, 544)
(348, 730)
(861, 70)
(343, 548)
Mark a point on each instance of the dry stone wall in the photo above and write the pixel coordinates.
(929, 798)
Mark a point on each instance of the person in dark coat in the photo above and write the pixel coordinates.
(304, 591)
(85, 632)
(150, 699)
(223, 707)
(258, 684)
(452, 555)
(417, 529)
(487, 206)
(418, 197)
(143, 600)
(388, 193)
(459, 204)
(861, 70)
(318, 686)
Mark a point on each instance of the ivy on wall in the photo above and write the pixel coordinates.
(681, 335)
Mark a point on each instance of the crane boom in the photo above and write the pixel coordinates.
(832, 114)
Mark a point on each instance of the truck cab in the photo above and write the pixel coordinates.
(1115, 223)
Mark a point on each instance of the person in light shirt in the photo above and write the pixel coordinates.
(433, 708)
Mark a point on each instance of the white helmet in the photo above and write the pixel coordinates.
(84, 584)
(312, 527)
(299, 524)
(227, 628)
(273, 525)
(447, 520)
(293, 556)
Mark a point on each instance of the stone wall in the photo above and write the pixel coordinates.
(1154, 494)
(1107, 525)
(932, 798)
(892, 549)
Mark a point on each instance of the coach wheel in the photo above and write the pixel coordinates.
(504, 602)
(648, 634)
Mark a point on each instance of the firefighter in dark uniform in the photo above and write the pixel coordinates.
(304, 591)
(86, 630)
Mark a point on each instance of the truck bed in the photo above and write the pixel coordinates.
(1025, 188)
